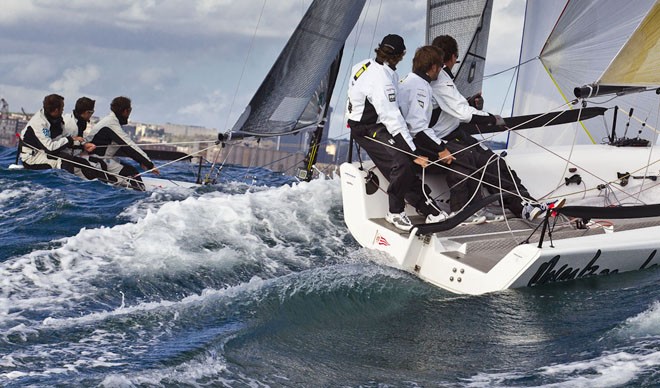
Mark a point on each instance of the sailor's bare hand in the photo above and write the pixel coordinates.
(79, 139)
(422, 161)
(446, 157)
(89, 147)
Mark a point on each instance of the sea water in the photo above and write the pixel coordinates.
(256, 282)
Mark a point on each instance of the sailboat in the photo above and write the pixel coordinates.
(605, 163)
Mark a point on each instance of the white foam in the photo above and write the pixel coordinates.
(274, 228)
(609, 370)
(644, 324)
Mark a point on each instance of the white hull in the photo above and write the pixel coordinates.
(475, 259)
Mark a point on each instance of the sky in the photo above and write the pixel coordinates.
(195, 62)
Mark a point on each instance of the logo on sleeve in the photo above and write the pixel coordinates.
(421, 103)
(391, 93)
(46, 132)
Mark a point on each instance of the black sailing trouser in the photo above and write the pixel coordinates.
(70, 163)
(495, 167)
(461, 188)
(396, 166)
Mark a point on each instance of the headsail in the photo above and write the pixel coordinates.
(293, 94)
(468, 21)
(574, 41)
(638, 62)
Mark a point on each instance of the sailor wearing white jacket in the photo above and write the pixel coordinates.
(456, 109)
(46, 145)
(75, 123)
(111, 141)
(379, 128)
(416, 103)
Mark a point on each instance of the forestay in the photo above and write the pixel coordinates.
(293, 94)
(468, 21)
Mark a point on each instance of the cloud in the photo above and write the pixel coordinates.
(157, 78)
(76, 78)
(181, 62)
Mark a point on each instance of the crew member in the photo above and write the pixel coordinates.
(379, 128)
(45, 145)
(455, 109)
(111, 142)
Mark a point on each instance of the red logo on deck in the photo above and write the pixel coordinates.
(380, 240)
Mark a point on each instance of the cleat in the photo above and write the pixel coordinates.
(400, 221)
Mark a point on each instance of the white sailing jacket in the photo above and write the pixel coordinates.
(455, 108)
(71, 129)
(39, 147)
(70, 124)
(416, 103)
(372, 98)
(121, 140)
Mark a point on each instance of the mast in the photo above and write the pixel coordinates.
(305, 171)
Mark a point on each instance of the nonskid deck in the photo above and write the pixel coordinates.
(487, 244)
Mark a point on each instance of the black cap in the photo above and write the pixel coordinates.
(392, 44)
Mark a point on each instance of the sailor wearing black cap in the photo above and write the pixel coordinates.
(379, 128)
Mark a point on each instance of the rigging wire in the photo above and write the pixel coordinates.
(344, 83)
(508, 90)
(240, 78)
(515, 67)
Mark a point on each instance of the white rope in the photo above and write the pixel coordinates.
(442, 165)
(86, 166)
(655, 140)
(175, 160)
(151, 144)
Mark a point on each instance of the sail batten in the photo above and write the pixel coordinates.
(464, 18)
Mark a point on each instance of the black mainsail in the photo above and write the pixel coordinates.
(294, 94)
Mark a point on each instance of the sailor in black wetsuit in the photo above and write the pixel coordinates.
(112, 142)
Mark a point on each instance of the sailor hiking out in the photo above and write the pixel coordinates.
(379, 128)
(112, 142)
(46, 145)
